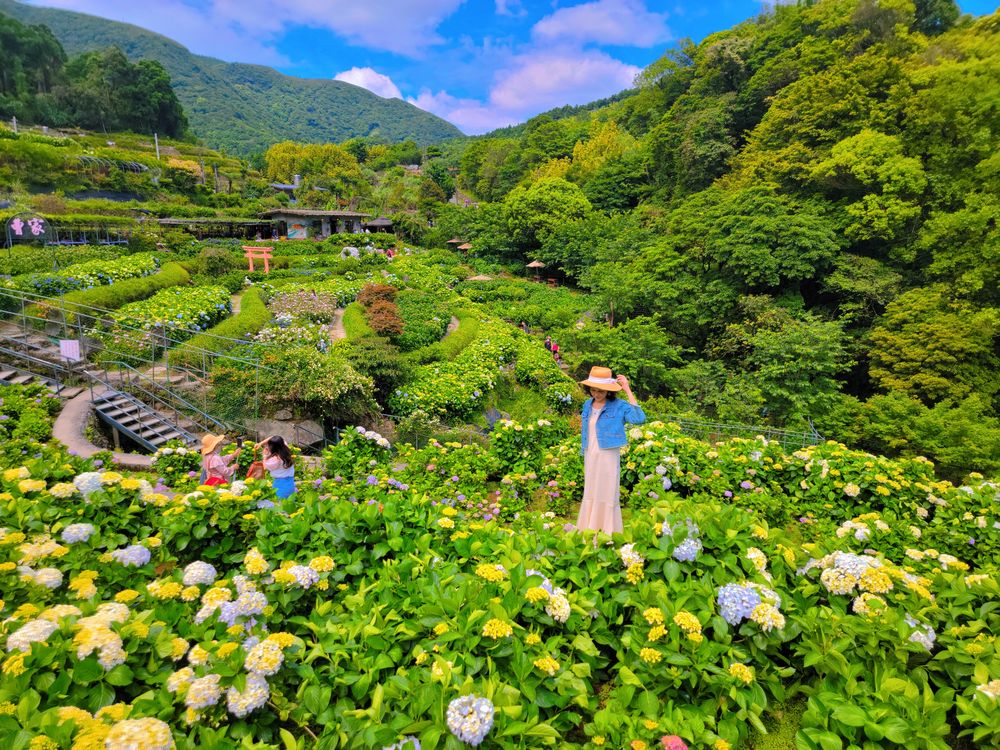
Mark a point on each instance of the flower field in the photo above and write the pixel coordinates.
(431, 598)
(142, 329)
(88, 274)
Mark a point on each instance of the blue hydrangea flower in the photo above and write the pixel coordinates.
(407, 743)
(88, 483)
(134, 555)
(687, 551)
(199, 572)
(470, 718)
(736, 602)
(304, 575)
(77, 532)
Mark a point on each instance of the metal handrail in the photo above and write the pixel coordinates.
(98, 314)
(138, 409)
(741, 430)
(142, 377)
(53, 366)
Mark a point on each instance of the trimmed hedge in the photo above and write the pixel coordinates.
(468, 328)
(253, 316)
(355, 324)
(113, 296)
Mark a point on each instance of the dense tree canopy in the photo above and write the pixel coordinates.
(96, 90)
(107, 92)
(804, 205)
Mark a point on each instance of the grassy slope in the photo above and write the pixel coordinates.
(244, 108)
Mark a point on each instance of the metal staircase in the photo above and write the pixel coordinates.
(137, 421)
(13, 375)
(148, 408)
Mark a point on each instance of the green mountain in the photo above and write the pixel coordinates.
(245, 108)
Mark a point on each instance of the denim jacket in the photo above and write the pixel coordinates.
(611, 422)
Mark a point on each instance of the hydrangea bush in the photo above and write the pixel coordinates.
(378, 609)
(141, 330)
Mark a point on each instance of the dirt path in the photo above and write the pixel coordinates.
(235, 300)
(452, 327)
(336, 328)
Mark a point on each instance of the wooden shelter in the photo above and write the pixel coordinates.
(538, 266)
(381, 224)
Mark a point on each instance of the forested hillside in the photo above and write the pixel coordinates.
(798, 215)
(99, 90)
(245, 108)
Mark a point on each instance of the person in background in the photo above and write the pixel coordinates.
(548, 343)
(602, 437)
(279, 464)
(555, 351)
(216, 468)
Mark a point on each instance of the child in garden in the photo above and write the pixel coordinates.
(279, 464)
(602, 437)
(218, 469)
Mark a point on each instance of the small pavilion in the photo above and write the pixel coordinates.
(381, 224)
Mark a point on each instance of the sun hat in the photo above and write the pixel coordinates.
(210, 442)
(600, 377)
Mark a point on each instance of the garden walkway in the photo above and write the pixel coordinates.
(336, 328)
(452, 327)
(71, 425)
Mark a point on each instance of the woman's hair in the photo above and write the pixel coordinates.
(277, 446)
(611, 394)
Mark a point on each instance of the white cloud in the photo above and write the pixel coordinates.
(196, 28)
(551, 79)
(244, 30)
(510, 8)
(533, 83)
(370, 79)
(470, 115)
(621, 22)
(406, 27)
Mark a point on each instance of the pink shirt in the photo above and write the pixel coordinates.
(218, 466)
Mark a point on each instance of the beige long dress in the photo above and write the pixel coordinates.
(600, 509)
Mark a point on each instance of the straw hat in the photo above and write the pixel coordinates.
(600, 377)
(210, 442)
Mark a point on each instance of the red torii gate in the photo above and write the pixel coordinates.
(258, 253)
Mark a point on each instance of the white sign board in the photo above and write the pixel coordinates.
(69, 349)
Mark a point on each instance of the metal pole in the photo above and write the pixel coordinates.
(156, 141)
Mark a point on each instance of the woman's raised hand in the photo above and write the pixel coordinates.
(623, 382)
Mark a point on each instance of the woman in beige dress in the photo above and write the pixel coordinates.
(602, 437)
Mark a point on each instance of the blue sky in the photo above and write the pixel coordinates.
(481, 64)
